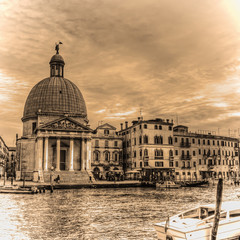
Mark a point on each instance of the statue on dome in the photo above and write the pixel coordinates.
(57, 47)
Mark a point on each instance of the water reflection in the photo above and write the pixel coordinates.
(97, 213)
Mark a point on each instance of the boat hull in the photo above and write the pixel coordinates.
(226, 230)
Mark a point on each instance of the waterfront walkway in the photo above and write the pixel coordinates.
(95, 184)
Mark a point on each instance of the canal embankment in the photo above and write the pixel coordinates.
(95, 184)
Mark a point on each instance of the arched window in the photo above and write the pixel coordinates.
(158, 154)
(156, 140)
(96, 155)
(107, 156)
(115, 156)
(145, 139)
(170, 141)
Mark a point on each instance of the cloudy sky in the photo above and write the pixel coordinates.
(176, 59)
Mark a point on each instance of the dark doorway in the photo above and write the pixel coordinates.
(62, 160)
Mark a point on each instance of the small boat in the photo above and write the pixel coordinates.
(15, 189)
(167, 184)
(197, 223)
(193, 183)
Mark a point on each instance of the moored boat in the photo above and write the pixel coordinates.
(167, 184)
(197, 223)
(193, 183)
(14, 189)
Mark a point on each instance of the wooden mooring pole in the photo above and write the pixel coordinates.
(218, 209)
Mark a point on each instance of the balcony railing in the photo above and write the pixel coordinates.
(185, 144)
(186, 157)
(158, 157)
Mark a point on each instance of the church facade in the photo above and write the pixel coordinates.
(56, 135)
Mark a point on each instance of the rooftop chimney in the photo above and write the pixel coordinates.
(121, 126)
(126, 124)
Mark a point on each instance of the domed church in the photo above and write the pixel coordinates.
(56, 134)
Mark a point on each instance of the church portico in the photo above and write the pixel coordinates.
(63, 153)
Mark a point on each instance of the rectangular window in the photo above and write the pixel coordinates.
(194, 153)
(203, 141)
(158, 164)
(145, 126)
(199, 151)
(199, 161)
(176, 164)
(34, 125)
(115, 143)
(106, 143)
(96, 143)
(160, 127)
(170, 128)
(176, 152)
(199, 142)
(193, 140)
(106, 132)
(175, 139)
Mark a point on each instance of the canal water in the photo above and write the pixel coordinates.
(120, 213)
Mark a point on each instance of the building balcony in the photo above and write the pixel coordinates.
(145, 158)
(171, 158)
(158, 157)
(185, 144)
(186, 157)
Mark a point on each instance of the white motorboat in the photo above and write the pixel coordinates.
(167, 184)
(197, 223)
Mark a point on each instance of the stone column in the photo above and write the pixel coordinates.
(83, 155)
(88, 160)
(40, 152)
(38, 159)
(46, 154)
(58, 154)
(71, 154)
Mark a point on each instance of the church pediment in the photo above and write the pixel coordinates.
(106, 126)
(65, 124)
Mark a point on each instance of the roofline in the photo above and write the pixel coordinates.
(150, 121)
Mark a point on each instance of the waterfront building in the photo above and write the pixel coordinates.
(106, 152)
(148, 148)
(200, 156)
(56, 135)
(4, 156)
